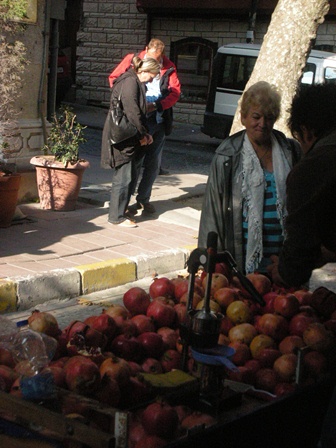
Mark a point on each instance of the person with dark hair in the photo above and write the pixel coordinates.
(245, 197)
(311, 188)
(121, 157)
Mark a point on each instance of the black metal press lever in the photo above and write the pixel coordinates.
(227, 258)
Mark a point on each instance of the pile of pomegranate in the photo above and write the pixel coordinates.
(102, 356)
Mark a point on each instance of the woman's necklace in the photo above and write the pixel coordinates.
(264, 154)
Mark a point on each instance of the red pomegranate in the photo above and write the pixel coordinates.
(136, 300)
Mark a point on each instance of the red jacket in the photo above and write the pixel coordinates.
(169, 85)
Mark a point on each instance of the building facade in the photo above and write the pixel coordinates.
(109, 29)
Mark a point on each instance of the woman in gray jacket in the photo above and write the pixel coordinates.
(245, 198)
(130, 86)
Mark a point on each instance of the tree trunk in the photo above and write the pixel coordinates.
(285, 50)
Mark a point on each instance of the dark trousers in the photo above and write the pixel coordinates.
(120, 191)
(151, 162)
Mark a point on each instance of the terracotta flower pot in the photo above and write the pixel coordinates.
(9, 190)
(58, 187)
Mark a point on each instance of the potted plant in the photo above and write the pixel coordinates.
(12, 55)
(60, 170)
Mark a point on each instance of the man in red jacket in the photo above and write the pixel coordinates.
(161, 95)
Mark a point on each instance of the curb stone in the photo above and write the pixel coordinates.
(20, 294)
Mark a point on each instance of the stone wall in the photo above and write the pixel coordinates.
(112, 28)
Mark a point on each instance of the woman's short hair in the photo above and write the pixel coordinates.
(314, 107)
(156, 45)
(150, 65)
(264, 96)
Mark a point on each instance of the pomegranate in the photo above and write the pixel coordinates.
(290, 344)
(269, 300)
(238, 312)
(82, 375)
(135, 368)
(116, 368)
(261, 283)
(218, 281)
(169, 337)
(116, 310)
(181, 313)
(225, 326)
(162, 287)
(135, 433)
(304, 296)
(15, 389)
(162, 314)
(315, 364)
(44, 322)
(181, 287)
(324, 301)
(143, 323)
(267, 356)
(225, 296)
(253, 365)
(317, 337)
(242, 374)
(125, 326)
(260, 342)
(104, 324)
(136, 391)
(286, 305)
(58, 374)
(160, 419)
(151, 343)
(6, 357)
(300, 322)
(213, 306)
(223, 340)
(223, 268)
(127, 347)
(109, 392)
(7, 377)
(136, 300)
(196, 299)
(197, 418)
(282, 389)
(242, 353)
(242, 333)
(171, 359)
(266, 379)
(152, 365)
(273, 325)
(285, 367)
(182, 411)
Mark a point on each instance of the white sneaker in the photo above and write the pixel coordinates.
(127, 223)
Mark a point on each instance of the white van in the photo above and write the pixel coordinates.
(232, 68)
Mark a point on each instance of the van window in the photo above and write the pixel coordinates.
(236, 71)
(308, 75)
(330, 75)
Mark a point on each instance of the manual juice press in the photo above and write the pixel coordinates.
(201, 332)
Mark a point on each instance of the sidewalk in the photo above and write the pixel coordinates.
(60, 255)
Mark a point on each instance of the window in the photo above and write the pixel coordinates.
(193, 58)
(330, 75)
(308, 74)
(236, 71)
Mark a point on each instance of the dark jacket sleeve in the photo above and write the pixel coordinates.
(212, 216)
(302, 245)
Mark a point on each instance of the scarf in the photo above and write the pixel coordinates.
(253, 189)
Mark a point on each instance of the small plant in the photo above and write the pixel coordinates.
(13, 63)
(65, 137)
